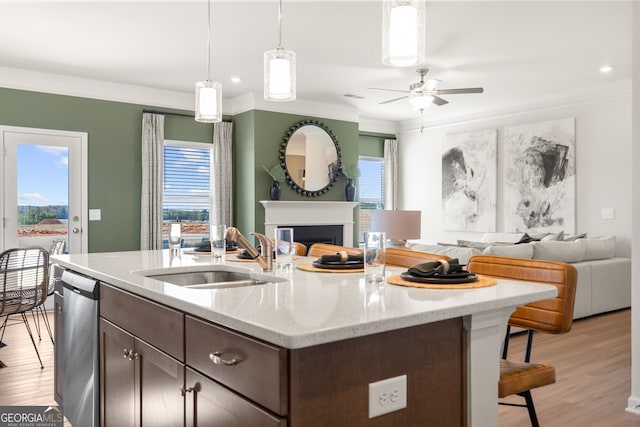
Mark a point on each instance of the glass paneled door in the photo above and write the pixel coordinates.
(43, 188)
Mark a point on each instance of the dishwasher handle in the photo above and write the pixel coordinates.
(82, 285)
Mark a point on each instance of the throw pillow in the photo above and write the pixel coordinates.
(481, 246)
(598, 248)
(501, 237)
(513, 251)
(558, 251)
(573, 237)
(552, 236)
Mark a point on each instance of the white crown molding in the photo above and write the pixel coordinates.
(72, 86)
(249, 101)
(367, 124)
(613, 90)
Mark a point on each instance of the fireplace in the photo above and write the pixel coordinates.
(326, 222)
(310, 234)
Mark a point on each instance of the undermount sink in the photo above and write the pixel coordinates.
(207, 277)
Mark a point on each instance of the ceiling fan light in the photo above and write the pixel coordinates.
(403, 32)
(208, 102)
(279, 75)
(421, 102)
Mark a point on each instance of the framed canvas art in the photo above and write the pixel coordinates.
(469, 181)
(540, 176)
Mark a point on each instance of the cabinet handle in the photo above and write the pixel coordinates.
(129, 354)
(126, 353)
(184, 391)
(217, 360)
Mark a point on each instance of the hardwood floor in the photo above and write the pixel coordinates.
(592, 361)
(593, 375)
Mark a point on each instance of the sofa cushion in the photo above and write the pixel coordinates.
(598, 248)
(513, 251)
(572, 237)
(502, 237)
(558, 251)
(462, 253)
(553, 236)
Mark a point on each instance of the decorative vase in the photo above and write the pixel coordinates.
(350, 191)
(275, 190)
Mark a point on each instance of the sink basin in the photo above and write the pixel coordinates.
(208, 276)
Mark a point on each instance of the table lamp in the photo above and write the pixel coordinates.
(399, 225)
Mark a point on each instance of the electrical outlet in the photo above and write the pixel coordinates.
(387, 396)
(608, 213)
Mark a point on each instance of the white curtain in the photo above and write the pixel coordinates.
(222, 209)
(390, 174)
(151, 197)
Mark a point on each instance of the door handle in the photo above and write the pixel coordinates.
(75, 230)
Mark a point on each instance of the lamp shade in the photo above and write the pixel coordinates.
(399, 225)
(403, 32)
(420, 101)
(208, 101)
(280, 75)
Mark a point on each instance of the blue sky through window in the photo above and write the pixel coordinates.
(43, 175)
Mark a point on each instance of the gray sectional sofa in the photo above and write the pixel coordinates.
(604, 281)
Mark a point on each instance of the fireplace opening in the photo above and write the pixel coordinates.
(310, 234)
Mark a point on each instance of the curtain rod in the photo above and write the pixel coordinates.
(166, 113)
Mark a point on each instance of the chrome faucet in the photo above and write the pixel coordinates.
(265, 261)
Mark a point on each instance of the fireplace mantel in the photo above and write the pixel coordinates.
(280, 212)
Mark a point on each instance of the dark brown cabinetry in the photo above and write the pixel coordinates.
(161, 367)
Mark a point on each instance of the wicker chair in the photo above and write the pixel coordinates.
(58, 247)
(552, 316)
(24, 280)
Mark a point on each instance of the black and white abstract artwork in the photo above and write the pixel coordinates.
(469, 181)
(540, 176)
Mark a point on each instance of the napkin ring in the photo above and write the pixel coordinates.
(344, 257)
(445, 266)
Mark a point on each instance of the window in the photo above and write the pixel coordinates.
(187, 188)
(370, 191)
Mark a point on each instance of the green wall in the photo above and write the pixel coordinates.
(258, 137)
(114, 156)
(114, 153)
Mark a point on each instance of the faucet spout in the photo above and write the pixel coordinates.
(265, 261)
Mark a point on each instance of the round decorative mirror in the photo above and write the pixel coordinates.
(310, 156)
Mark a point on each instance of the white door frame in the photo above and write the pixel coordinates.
(80, 211)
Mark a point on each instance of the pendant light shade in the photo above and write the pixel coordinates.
(279, 70)
(208, 93)
(208, 102)
(403, 32)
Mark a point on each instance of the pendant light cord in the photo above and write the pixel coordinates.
(209, 40)
(280, 25)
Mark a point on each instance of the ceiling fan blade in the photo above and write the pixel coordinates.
(456, 91)
(388, 90)
(394, 99)
(439, 101)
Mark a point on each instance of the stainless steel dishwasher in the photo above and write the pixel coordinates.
(81, 389)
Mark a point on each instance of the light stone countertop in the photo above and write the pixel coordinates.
(301, 309)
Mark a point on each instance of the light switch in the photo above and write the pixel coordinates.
(95, 214)
(608, 213)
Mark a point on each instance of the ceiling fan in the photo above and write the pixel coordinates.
(424, 93)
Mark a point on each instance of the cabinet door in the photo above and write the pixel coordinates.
(208, 404)
(58, 373)
(117, 376)
(159, 385)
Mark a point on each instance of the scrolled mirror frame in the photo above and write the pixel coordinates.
(283, 163)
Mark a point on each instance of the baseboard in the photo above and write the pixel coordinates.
(633, 405)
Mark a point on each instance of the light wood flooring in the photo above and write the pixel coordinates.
(592, 361)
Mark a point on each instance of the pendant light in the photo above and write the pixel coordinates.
(208, 92)
(403, 32)
(279, 70)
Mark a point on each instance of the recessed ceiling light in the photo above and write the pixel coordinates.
(606, 69)
(236, 79)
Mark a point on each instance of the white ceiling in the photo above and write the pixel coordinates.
(517, 51)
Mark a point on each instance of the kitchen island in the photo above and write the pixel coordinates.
(328, 335)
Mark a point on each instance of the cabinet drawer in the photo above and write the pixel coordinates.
(255, 369)
(154, 323)
(212, 405)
